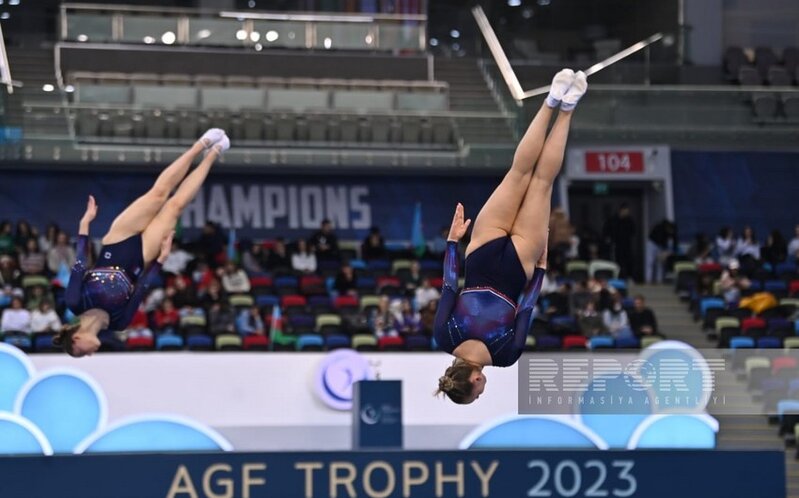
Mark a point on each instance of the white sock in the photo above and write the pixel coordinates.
(212, 136)
(560, 85)
(222, 144)
(575, 92)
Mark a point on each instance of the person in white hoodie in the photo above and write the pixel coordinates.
(16, 318)
(44, 318)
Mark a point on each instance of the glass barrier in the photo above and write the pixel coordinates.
(89, 23)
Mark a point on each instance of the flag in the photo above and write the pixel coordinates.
(63, 275)
(417, 232)
(231, 245)
(276, 327)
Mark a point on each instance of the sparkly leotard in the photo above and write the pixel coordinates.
(484, 314)
(110, 287)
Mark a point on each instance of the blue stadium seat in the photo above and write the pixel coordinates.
(547, 342)
(266, 300)
(627, 342)
(709, 302)
(20, 340)
(310, 342)
(769, 342)
(601, 342)
(417, 342)
(741, 342)
(618, 284)
(43, 343)
(336, 341)
(168, 342)
(200, 342)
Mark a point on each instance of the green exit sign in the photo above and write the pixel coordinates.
(601, 188)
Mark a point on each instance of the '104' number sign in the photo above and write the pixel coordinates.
(614, 162)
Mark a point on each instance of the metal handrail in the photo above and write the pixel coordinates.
(5, 67)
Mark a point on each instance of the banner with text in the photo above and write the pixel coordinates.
(465, 474)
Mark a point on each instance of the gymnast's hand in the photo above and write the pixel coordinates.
(166, 247)
(459, 227)
(88, 216)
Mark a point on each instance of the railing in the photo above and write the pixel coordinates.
(258, 30)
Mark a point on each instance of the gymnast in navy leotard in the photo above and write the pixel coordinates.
(105, 297)
(486, 323)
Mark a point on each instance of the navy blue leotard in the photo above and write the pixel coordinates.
(484, 314)
(113, 285)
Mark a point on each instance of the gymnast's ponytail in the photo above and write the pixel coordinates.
(456, 382)
(63, 338)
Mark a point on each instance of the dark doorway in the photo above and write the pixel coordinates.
(592, 204)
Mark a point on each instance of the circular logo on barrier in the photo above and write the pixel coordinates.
(370, 415)
(335, 376)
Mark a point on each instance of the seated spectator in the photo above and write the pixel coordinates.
(16, 318)
(221, 319)
(345, 281)
(234, 279)
(166, 318)
(47, 240)
(793, 245)
(324, 242)
(747, 246)
(211, 243)
(9, 273)
(177, 260)
(7, 245)
(383, 319)
(616, 321)
(580, 297)
(303, 260)
(24, 233)
(139, 327)
(214, 294)
(642, 319)
(550, 282)
(182, 293)
(406, 321)
(559, 301)
(776, 249)
(373, 247)
(60, 254)
(31, 260)
(38, 295)
(278, 259)
(413, 279)
(732, 282)
(725, 245)
(426, 293)
(427, 317)
(250, 322)
(253, 259)
(590, 321)
(202, 276)
(701, 249)
(45, 319)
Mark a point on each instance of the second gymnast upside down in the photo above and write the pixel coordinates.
(486, 323)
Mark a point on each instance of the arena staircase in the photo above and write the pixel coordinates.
(750, 432)
(39, 112)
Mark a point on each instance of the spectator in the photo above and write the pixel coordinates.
(47, 240)
(426, 293)
(6, 238)
(793, 245)
(278, 259)
(60, 254)
(747, 246)
(211, 243)
(580, 298)
(725, 245)
(776, 249)
(182, 294)
(214, 294)
(177, 260)
(406, 321)
(38, 295)
(413, 279)
(662, 243)
(373, 246)
(560, 300)
(303, 260)
(202, 276)
(234, 279)
(701, 249)
(383, 320)
(616, 321)
(589, 244)
(438, 246)
(550, 282)
(138, 326)
(16, 318)
(732, 282)
(427, 317)
(9, 273)
(345, 281)
(324, 242)
(590, 321)
(221, 319)
(252, 257)
(23, 234)
(31, 259)
(166, 318)
(45, 319)
(250, 322)
(619, 232)
(642, 319)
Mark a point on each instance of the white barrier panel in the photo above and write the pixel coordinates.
(254, 399)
